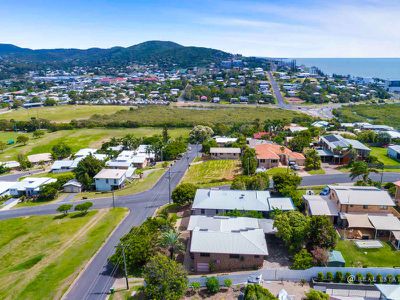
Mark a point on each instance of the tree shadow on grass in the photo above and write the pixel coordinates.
(78, 215)
(62, 216)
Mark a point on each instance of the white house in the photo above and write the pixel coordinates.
(30, 186)
(110, 179)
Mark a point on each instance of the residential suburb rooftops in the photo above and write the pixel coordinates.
(362, 195)
(110, 174)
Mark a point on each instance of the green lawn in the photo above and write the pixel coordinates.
(278, 170)
(41, 255)
(64, 113)
(381, 154)
(78, 138)
(135, 187)
(316, 172)
(354, 257)
(212, 173)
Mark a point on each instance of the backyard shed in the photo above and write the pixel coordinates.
(336, 259)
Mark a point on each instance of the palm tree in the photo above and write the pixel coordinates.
(170, 241)
(360, 168)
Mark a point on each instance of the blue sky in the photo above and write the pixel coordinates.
(340, 28)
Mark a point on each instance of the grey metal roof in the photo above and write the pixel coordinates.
(358, 195)
(225, 150)
(395, 148)
(283, 203)
(385, 222)
(245, 242)
(336, 140)
(320, 206)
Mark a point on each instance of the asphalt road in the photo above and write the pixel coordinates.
(16, 176)
(277, 92)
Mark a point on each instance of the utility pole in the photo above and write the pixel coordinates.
(126, 272)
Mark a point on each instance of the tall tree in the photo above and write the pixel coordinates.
(361, 169)
(313, 160)
(249, 161)
(60, 151)
(200, 133)
(86, 169)
(170, 240)
(292, 228)
(165, 279)
(321, 233)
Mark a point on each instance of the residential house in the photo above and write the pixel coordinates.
(30, 186)
(389, 291)
(225, 153)
(316, 205)
(85, 152)
(12, 164)
(5, 187)
(213, 202)
(336, 149)
(394, 152)
(72, 186)
(397, 193)
(40, 158)
(109, 179)
(220, 243)
(270, 155)
(145, 150)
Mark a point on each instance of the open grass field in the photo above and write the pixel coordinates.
(278, 170)
(136, 186)
(316, 172)
(160, 115)
(381, 154)
(354, 257)
(64, 113)
(212, 172)
(77, 139)
(41, 255)
(388, 114)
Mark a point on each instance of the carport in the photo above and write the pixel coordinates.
(385, 223)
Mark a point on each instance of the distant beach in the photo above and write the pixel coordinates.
(383, 68)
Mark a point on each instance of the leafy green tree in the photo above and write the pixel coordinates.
(60, 151)
(184, 193)
(247, 214)
(48, 192)
(38, 133)
(313, 160)
(321, 233)
(165, 279)
(292, 227)
(384, 138)
(195, 286)
(300, 141)
(50, 102)
(83, 207)
(208, 144)
(130, 142)
(23, 161)
(200, 133)
(257, 292)
(258, 182)
(212, 285)
(165, 135)
(360, 168)
(316, 295)
(86, 169)
(228, 283)
(282, 181)
(22, 139)
(64, 208)
(3, 169)
(170, 240)
(174, 148)
(302, 260)
(249, 161)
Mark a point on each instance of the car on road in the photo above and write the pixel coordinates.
(255, 279)
(295, 167)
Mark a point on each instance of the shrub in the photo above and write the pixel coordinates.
(316, 295)
(212, 285)
(83, 207)
(184, 193)
(64, 208)
(379, 278)
(302, 260)
(389, 278)
(320, 276)
(338, 277)
(347, 276)
(228, 282)
(369, 277)
(398, 279)
(256, 291)
(195, 286)
(329, 276)
(359, 278)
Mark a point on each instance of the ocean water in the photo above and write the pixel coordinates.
(384, 68)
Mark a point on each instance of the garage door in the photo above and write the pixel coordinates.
(203, 267)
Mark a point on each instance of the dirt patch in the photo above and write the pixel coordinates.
(295, 289)
(224, 294)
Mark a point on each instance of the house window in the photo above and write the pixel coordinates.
(262, 160)
(216, 211)
(256, 256)
(107, 181)
(115, 181)
(351, 205)
(365, 206)
(202, 211)
(235, 256)
(205, 254)
(383, 207)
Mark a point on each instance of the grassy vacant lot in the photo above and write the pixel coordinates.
(212, 173)
(77, 139)
(41, 255)
(134, 187)
(383, 257)
(388, 114)
(278, 170)
(64, 113)
(381, 154)
(160, 115)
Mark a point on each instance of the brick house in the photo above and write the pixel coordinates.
(220, 243)
(270, 155)
(225, 153)
(397, 193)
